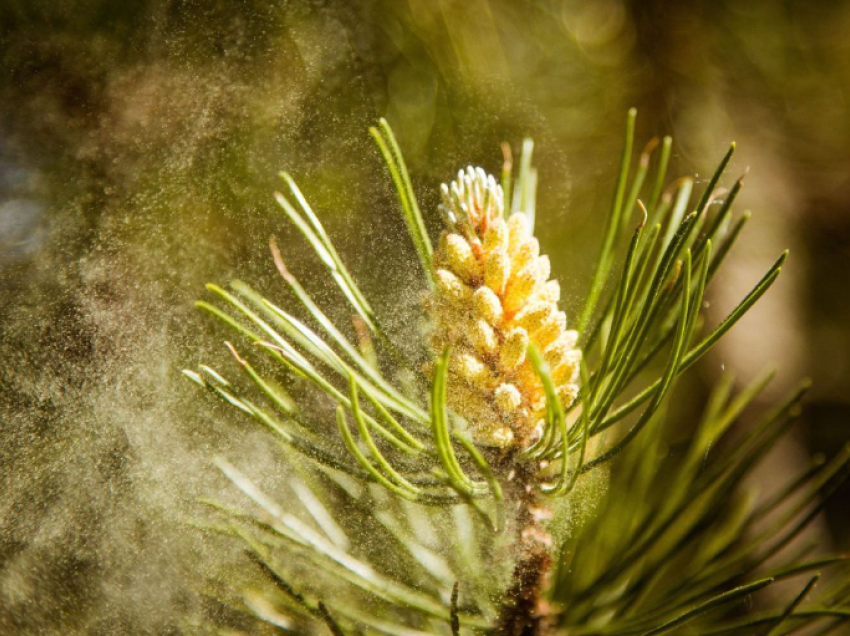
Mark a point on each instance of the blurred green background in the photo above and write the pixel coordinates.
(139, 147)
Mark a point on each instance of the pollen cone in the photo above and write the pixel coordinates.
(492, 298)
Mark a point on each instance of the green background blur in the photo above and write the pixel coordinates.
(139, 147)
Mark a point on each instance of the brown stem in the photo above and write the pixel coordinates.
(524, 612)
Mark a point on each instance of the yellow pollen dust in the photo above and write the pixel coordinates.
(493, 298)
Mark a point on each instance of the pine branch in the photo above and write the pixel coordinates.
(468, 488)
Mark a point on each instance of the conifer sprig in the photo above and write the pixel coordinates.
(437, 479)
